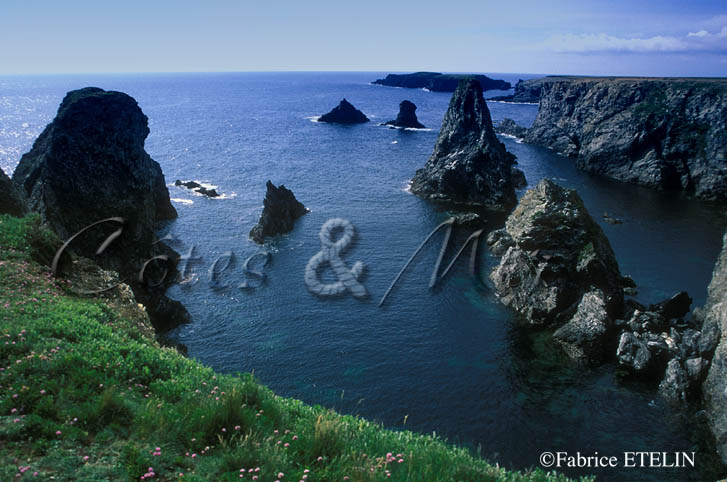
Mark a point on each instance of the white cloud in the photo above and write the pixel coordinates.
(699, 41)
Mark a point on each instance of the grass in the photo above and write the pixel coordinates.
(88, 394)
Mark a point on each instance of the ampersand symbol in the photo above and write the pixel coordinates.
(331, 253)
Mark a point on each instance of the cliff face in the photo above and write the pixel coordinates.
(663, 133)
(715, 322)
(89, 164)
(469, 164)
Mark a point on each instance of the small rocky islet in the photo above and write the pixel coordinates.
(407, 117)
(344, 113)
(280, 211)
(438, 82)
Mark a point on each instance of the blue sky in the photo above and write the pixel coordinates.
(564, 37)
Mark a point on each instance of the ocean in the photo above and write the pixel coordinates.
(451, 360)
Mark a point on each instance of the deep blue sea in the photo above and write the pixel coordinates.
(450, 360)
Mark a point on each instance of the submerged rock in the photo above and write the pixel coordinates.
(407, 116)
(197, 187)
(280, 211)
(12, 200)
(469, 164)
(344, 113)
(88, 165)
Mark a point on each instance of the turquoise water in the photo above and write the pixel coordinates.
(450, 360)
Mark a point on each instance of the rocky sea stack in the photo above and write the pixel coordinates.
(469, 164)
(12, 200)
(344, 113)
(553, 253)
(407, 116)
(280, 211)
(88, 165)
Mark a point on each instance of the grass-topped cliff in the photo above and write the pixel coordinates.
(86, 393)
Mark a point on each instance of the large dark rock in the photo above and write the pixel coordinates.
(675, 307)
(667, 134)
(526, 91)
(89, 164)
(469, 164)
(344, 113)
(280, 211)
(714, 389)
(555, 253)
(12, 200)
(438, 82)
(407, 116)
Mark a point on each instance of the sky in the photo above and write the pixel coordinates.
(646, 37)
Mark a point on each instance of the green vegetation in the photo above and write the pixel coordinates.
(86, 394)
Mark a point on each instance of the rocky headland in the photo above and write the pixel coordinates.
(407, 117)
(280, 211)
(88, 165)
(344, 113)
(526, 92)
(664, 133)
(469, 164)
(438, 82)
